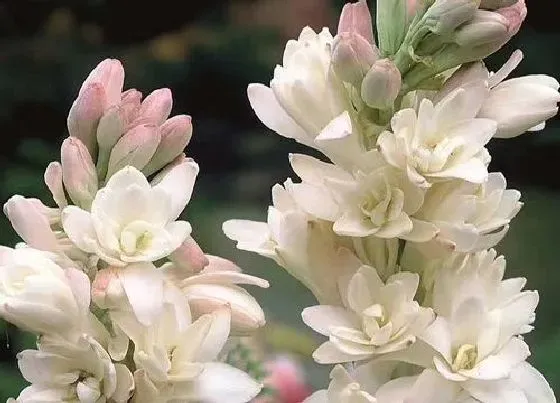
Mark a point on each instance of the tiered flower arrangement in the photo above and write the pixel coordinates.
(125, 304)
(393, 229)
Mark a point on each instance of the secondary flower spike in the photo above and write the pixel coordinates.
(125, 305)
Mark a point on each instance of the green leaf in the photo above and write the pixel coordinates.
(391, 25)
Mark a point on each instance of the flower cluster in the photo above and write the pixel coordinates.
(125, 304)
(393, 229)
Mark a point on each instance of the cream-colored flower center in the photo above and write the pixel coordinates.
(132, 242)
(382, 205)
(465, 358)
(373, 318)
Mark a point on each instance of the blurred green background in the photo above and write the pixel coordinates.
(207, 56)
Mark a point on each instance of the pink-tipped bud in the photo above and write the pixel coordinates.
(352, 57)
(30, 219)
(515, 15)
(78, 172)
(130, 105)
(53, 180)
(110, 128)
(85, 113)
(495, 4)
(176, 133)
(381, 85)
(486, 27)
(156, 107)
(109, 74)
(411, 8)
(107, 291)
(135, 148)
(188, 259)
(356, 18)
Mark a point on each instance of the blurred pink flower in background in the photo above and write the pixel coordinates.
(286, 378)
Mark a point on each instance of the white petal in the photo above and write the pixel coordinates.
(533, 383)
(268, 110)
(143, 284)
(321, 317)
(219, 383)
(78, 226)
(178, 184)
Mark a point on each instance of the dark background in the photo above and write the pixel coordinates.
(207, 52)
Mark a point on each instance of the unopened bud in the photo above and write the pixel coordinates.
(110, 75)
(356, 18)
(246, 313)
(106, 289)
(130, 105)
(495, 4)
(156, 107)
(382, 84)
(111, 127)
(85, 113)
(135, 148)
(485, 27)
(444, 16)
(78, 172)
(176, 133)
(515, 15)
(29, 218)
(188, 259)
(352, 57)
(53, 180)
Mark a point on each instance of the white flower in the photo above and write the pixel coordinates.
(38, 295)
(358, 385)
(440, 141)
(526, 385)
(376, 199)
(470, 217)
(131, 220)
(80, 372)
(342, 389)
(178, 365)
(216, 286)
(377, 318)
(474, 341)
(307, 248)
(304, 95)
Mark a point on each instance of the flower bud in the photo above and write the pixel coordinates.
(515, 15)
(29, 218)
(352, 57)
(356, 19)
(495, 4)
(53, 180)
(521, 104)
(135, 148)
(110, 75)
(485, 27)
(444, 16)
(246, 313)
(156, 107)
(188, 259)
(176, 133)
(78, 172)
(130, 105)
(111, 127)
(36, 295)
(381, 85)
(85, 113)
(107, 291)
